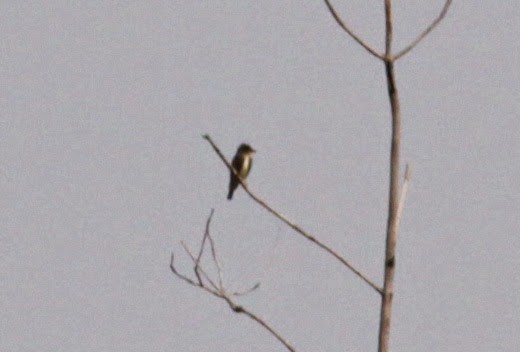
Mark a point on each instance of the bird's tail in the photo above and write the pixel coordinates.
(233, 184)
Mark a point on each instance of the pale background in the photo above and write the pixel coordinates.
(103, 172)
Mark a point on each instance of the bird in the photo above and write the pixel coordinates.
(241, 163)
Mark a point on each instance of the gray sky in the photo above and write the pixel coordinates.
(103, 172)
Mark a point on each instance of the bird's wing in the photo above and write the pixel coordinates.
(237, 162)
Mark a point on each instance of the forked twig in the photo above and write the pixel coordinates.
(289, 223)
(198, 271)
(427, 31)
(190, 281)
(205, 283)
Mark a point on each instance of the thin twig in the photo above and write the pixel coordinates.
(198, 270)
(220, 291)
(215, 259)
(240, 309)
(206, 231)
(190, 281)
(202, 246)
(291, 224)
(427, 31)
(349, 31)
(404, 190)
(245, 292)
(181, 276)
(207, 235)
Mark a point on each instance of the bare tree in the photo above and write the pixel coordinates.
(397, 195)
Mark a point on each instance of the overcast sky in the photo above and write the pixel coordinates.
(103, 172)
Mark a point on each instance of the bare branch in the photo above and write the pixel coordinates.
(207, 235)
(214, 255)
(198, 270)
(196, 267)
(241, 310)
(396, 198)
(427, 31)
(190, 281)
(291, 224)
(393, 193)
(220, 291)
(349, 31)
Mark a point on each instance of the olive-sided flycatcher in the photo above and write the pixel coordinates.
(242, 163)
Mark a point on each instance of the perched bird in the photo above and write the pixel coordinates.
(242, 164)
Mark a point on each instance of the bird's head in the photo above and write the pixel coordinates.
(245, 149)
